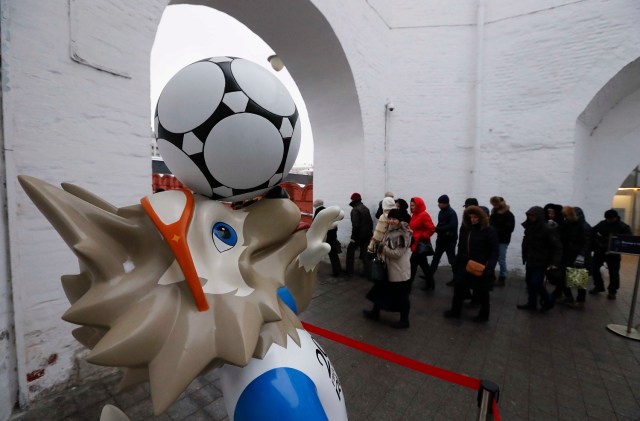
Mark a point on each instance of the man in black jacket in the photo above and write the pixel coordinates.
(541, 250)
(447, 230)
(361, 232)
(600, 241)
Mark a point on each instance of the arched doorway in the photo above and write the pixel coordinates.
(301, 35)
(607, 141)
(627, 201)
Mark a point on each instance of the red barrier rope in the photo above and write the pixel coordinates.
(430, 370)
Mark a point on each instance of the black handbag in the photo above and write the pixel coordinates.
(379, 270)
(424, 247)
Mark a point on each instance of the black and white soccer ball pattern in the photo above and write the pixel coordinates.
(227, 128)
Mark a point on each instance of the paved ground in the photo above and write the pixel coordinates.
(562, 365)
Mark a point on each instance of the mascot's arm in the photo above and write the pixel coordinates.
(316, 247)
(301, 274)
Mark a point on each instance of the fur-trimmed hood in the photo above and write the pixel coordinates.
(501, 207)
(475, 210)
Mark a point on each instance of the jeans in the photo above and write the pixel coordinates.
(534, 276)
(613, 264)
(502, 259)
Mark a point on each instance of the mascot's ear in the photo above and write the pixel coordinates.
(270, 220)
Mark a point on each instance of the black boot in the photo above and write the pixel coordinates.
(403, 323)
(373, 314)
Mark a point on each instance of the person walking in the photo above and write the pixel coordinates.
(478, 243)
(361, 230)
(422, 227)
(332, 240)
(541, 250)
(553, 214)
(611, 224)
(393, 294)
(575, 236)
(447, 230)
(504, 222)
(402, 204)
(381, 226)
(380, 209)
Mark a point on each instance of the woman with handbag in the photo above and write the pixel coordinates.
(423, 228)
(381, 226)
(392, 293)
(478, 253)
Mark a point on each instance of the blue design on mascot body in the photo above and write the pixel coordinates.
(280, 394)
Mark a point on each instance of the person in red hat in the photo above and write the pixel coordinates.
(361, 232)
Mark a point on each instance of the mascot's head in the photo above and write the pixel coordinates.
(130, 297)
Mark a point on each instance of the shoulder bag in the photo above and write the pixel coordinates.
(379, 270)
(475, 268)
(424, 247)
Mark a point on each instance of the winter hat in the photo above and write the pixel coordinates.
(356, 196)
(317, 203)
(395, 214)
(496, 200)
(388, 194)
(443, 199)
(403, 204)
(471, 201)
(611, 213)
(388, 203)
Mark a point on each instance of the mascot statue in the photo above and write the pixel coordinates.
(183, 283)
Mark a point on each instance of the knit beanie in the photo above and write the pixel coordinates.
(611, 213)
(443, 199)
(472, 201)
(356, 196)
(388, 203)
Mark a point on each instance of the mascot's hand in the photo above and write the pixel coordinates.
(316, 247)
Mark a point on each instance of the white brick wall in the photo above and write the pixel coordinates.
(544, 61)
(64, 121)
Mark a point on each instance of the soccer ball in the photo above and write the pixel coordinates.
(227, 128)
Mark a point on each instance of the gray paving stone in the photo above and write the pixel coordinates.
(561, 365)
(182, 409)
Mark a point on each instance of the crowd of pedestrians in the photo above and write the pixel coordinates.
(559, 248)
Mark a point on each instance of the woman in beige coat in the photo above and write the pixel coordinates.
(393, 294)
(381, 227)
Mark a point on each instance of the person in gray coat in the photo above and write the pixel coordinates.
(393, 294)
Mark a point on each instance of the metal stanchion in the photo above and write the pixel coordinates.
(486, 394)
(629, 331)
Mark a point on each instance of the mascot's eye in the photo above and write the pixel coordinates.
(224, 237)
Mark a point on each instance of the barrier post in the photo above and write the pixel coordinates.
(627, 244)
(486, 394)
